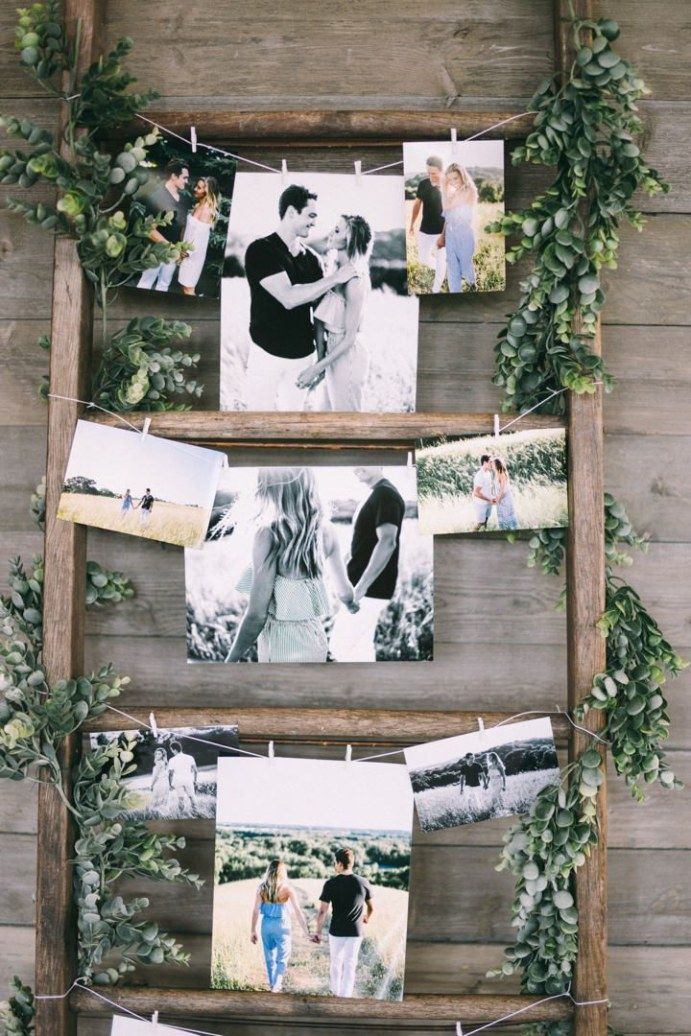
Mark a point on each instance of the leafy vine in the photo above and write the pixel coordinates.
(585, 125)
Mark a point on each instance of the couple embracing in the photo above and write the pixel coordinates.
(492, 488)
(346, 894)
(305, 319)
(295, 545)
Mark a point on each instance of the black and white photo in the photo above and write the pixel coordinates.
(485, 483)
(188, 195)
(453, 192)
(312, 877)
(173, 772)
(315, 313)
(494, 772)
(312, 564)
(142, 485)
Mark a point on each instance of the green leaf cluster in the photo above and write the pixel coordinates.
(113, 934)
(96, 204)
(543, 851)
(142, 371)
(585, 126)
(17, 1013)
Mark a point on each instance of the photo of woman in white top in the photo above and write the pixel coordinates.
(200, 221)
(288, 598)
(343, 356)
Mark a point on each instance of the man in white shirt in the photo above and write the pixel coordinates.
(182, 774)
(484, 492)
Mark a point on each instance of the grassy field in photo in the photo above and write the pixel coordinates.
(536, 462)
(182, 524)
(489, 259)
(139, 799)
(446, 807)
(241, 859)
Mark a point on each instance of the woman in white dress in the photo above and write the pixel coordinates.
(200, 220)
(338, 321)
(288, 598)
(506, 509)
(160, 782)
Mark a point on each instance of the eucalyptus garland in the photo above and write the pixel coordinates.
(585, 125)
(138, 366)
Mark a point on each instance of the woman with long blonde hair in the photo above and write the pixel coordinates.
(288, 599)
(273, 903)
(459, 198)
(506, 510)
(343, 355)
(200, 220)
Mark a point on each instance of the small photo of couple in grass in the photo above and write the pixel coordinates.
(171, 774)
(492, 773)
(516, 480)
(311, 877)
(139, 484)
(452, 193)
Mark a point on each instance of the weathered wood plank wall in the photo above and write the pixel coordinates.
(494, 616)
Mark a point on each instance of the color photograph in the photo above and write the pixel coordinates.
(173, 771)
(188, 195)
(312, 564)
(315, 313)
(492, 773)
(452, 193)
(517, 480)
(312, 876)
(139, 484)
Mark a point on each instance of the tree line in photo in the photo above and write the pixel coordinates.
(382, 859)
(489, 183)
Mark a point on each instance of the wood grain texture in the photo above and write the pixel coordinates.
(63, 595)
(585, 603)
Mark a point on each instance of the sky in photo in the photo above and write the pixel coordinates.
(334, 483)
(486, 153)
(451, 748)
(314, 793)
(254, 212)
(118, 459)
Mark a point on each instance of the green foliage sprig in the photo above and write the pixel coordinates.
(585, 125)
(17, 1013)
(544, 850)
(112, 233)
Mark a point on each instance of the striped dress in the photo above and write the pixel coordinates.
(294, 629)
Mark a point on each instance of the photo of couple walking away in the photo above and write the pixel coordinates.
(315, 313)
(312, 564)
(453, 192)
(307, 898)
(188, 194)
(139, 484)
(172, 773)
(516, 480)
(491, 773)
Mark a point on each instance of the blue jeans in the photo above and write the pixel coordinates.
(276, 943)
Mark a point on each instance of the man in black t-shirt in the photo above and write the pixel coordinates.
(145, 506)
(285, 277)
(350, 899)
(166, 199)
(372, 567)
(429, 200)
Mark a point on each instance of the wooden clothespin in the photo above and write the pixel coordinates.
(497, 429)
(193, 139)
(358, 173)
(152, 724)
(349, 753)
(147, 425)
(270, 754)
(454, 142)
(284, 170)
(154, 1021)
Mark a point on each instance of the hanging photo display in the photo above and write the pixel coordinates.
(452, 192)
(188, 194)
(312, 564)
(492, 773)
(315, 313)
(516, 480)
(136, 1027)
(312, 877)
(139, 484)
(175, 769)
